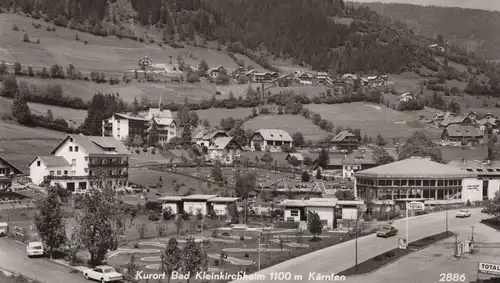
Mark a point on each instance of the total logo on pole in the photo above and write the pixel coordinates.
(415, 206)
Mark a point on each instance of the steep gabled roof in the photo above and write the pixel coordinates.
(455, 130)
(16, 170)
(274, 135)
(342, 135)
(157, 113)
(453, 120)
(164, 121)
(51, 161)
(220, 143)
(96, 145)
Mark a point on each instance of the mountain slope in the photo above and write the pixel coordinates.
(466, 4)
(475, 30)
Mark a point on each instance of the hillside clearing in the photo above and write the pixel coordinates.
(372, 121)
(101, 53)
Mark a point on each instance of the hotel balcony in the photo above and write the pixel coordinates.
(65, 177)
(108, 164)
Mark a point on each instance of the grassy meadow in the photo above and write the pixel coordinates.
(375, 119)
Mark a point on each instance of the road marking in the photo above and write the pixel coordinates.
(113, 254)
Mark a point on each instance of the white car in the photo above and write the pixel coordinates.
(35, 249)
(103, 273)
(463, 214)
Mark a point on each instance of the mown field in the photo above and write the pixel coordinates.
(375, 119)
(100, 53)
(289, 123)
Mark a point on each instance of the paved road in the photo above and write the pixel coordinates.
(340, 257)
(429, 264)
(13, 258)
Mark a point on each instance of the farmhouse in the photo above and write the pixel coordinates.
(224, 149)
(262, 77)
(356, 161)
(204, 204)
(418, 179)
(344, 141)
(297, 156)
(166, 129)
(330, 210)
(489, 123)
(441, 116)
(8, 172)
(270, 139)
(215, 72)
(333, 168)
(349, 78)
(80, 162)
(461, 120)
(405, 97)
(204, 137)
(488, 171)
(458, 135)
(322, 76)
(305, 78)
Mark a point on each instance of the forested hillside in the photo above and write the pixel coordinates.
(477, 30)
(308, 31)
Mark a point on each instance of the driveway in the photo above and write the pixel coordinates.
(13, 258)
(342, 256)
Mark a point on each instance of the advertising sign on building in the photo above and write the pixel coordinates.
(419, 206)
(473, 187)
(489, 268)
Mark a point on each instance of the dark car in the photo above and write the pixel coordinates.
(387, 231)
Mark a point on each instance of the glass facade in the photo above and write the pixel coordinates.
(394, 189)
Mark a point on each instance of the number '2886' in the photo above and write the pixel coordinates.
(452, 277)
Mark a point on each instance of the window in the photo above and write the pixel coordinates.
(397, 182)
(440, 183)
(469, 169)
(86, 158)
(76, 148)
(65, 172)
(411, 183)
(426, 183)
(38, 163)
(73, 172)
(489, 170)
(479, 170)
(294, 213)
(86, 170)
(73, 162)
(433, 183)
(51, 173)
(404, 183)
(58, 172)
(71, 149)
(418, 183)
(2, 171)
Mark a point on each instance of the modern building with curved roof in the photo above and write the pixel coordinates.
(418, 179)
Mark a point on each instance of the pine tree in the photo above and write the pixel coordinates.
(95, 115)
(49, 220)
(135, 107)
(172, 258)
(314, 224)
(192, 258)
(20, 110)
(153, 137)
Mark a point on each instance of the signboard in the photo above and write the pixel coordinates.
(473, 187)
(402, 244)
(414, 205)
(489, 268)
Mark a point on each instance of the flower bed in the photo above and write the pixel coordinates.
(381, 260)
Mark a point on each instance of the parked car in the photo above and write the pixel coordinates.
(463, 213)
(3, 229)
(484, 210)
(387, 231)
(35, 249)
(102, 273)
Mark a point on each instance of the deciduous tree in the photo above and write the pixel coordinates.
(172, 258)
(49, 220)
(192, 258)
(420, 145)
(381, 156)
(96, 230)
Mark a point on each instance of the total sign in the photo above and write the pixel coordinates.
(414, 205)
(489, 268)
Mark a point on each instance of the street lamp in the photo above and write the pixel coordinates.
(472, 237)
(446, 211)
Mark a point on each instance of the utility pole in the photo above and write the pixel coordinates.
(407, 238)
(472, 237)
(456, 245)
(260, 235)
(446, 210)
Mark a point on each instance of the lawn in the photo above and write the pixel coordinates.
(376, 119)
(108, 54)
(169, 92)
(147, 177)
(309, 90)
(215, 115)
(289, 123)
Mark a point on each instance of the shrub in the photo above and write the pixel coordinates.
(86, 42)
(26, 38)
(389, 254)
(15, 27)
(247, 255)
(242, 238)
(378, 258)
(136, 246)
(216, 262)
